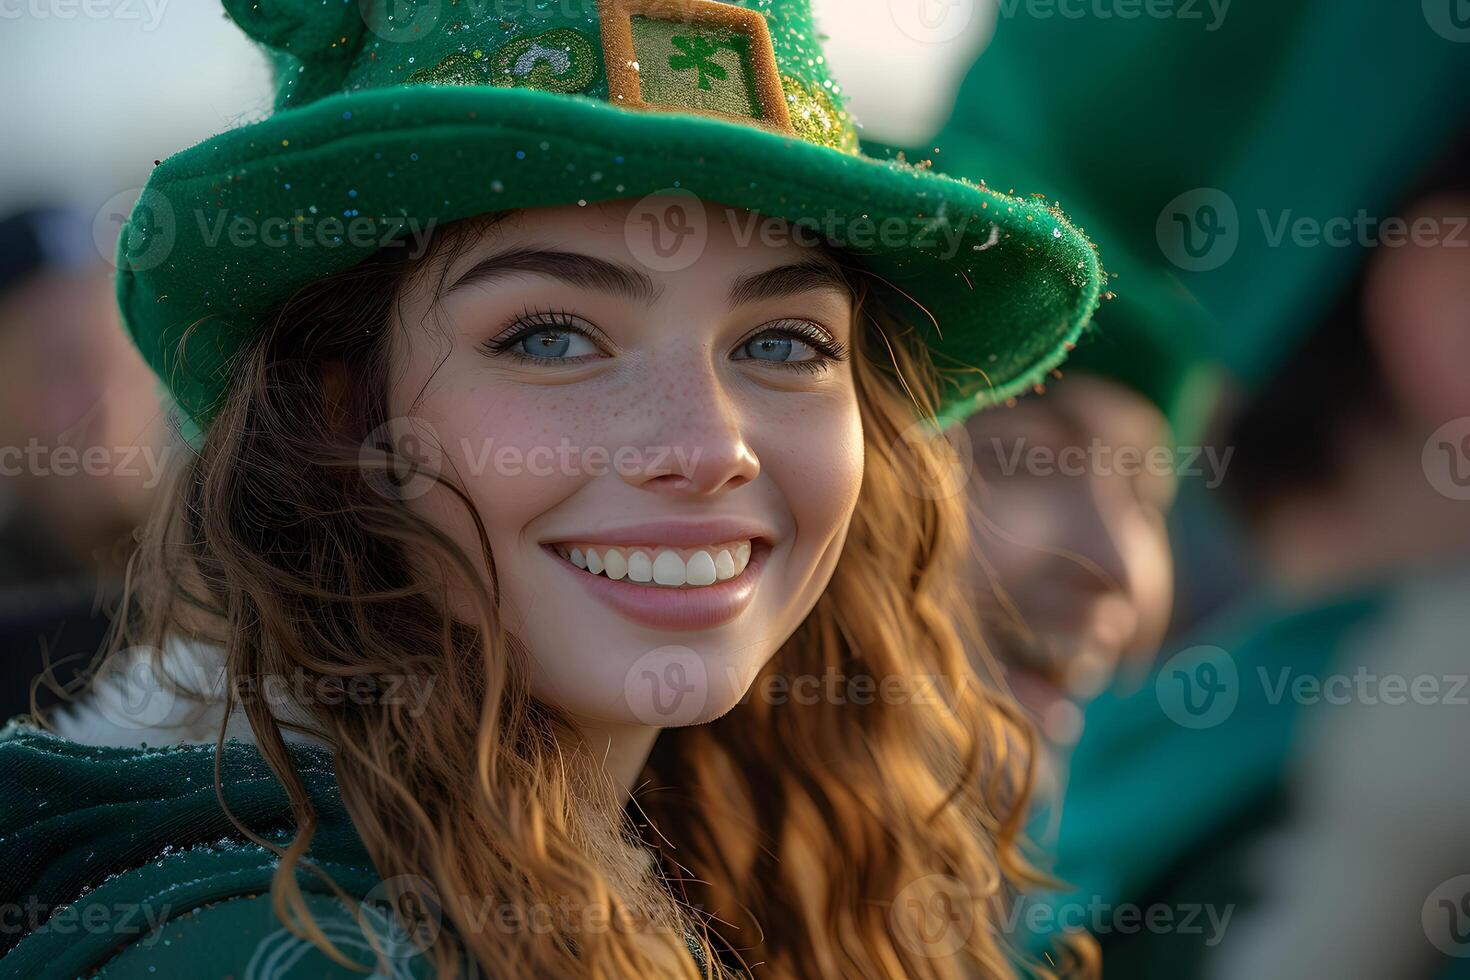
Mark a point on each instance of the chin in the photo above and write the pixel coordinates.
(633, 676)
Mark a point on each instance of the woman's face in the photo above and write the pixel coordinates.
(666, 462)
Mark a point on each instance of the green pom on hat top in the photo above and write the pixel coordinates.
(393, 118)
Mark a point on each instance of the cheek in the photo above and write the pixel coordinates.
(1020, 529)
(1151, 576)
(814, 456)
(515, 451)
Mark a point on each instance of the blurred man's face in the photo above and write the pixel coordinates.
(1074, 570)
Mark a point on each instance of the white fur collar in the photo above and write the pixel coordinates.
(140, 697)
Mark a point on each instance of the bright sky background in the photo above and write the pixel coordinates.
(92, 101)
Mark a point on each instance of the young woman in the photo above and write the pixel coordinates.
(566, 591)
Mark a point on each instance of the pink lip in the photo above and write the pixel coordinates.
(673, 609)
(672, 534)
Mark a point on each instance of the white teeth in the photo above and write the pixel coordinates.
(701, 569)
(665, 567)
(668, 569)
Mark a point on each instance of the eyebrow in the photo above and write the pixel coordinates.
(574, 268)
(788, 280)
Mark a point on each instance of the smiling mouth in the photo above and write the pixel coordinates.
(657, 567)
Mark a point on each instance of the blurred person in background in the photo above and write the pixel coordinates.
(1363, 504)
(1152, 136)
(80, 441)
(1294, 770)
(1073, 484)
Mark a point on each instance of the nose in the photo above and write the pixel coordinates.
(697, 445)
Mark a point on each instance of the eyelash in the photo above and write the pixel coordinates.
(828, 351)
(535, 321)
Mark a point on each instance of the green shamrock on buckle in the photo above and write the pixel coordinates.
(698, 53)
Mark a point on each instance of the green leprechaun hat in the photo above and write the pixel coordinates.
(393, 115)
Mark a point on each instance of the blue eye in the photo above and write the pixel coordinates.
(551, 343)
(773, 347)
(548, 338)
(792, 343)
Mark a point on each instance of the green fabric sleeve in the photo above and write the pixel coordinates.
(240, 937)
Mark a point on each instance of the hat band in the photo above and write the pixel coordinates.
(688, 56)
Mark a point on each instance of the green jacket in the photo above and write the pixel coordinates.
(120, 863)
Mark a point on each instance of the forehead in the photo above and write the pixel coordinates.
(663, 235)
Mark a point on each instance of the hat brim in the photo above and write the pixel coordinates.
(229, 229)
(1153, 335)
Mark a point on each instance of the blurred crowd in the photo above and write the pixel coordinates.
(1223, 555)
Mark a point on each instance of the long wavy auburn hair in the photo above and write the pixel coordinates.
(796, 837)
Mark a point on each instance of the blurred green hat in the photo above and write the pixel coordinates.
(393, 116)
(1150, 333)
(1190, 144)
